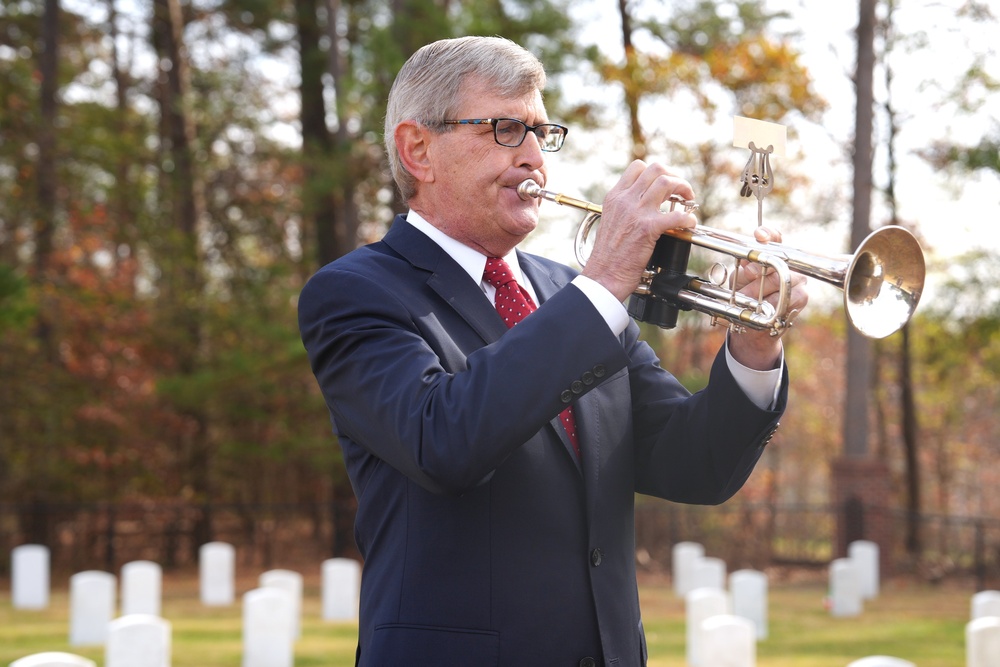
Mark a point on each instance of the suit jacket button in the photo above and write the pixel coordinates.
(596, 557)
(599, 370)
(588, 662)
(587, 377)
(566, 396)
(576, 387)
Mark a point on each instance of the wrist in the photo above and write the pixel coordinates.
(758, 350)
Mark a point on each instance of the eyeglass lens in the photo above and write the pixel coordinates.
(511, 132)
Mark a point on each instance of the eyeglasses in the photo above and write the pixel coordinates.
(511, 132)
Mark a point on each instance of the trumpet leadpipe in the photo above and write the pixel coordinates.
(530, 188)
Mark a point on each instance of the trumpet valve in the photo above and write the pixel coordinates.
(645, 282)
(688, 204)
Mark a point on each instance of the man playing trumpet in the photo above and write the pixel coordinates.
(495, 454)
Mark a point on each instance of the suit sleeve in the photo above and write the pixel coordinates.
(698, 448)
(446, 426)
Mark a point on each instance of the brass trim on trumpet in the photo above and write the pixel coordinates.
(882, 280)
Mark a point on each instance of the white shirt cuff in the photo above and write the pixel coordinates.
(761, 387)
(610, 308)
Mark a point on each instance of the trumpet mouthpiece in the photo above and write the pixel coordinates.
(528, 189)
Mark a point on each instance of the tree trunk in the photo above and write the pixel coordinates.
(126, 231)
(914, 541)
(632, 94)
(183, 201)
(48, 187)
(861, 484)
(317, 145)
(47, 184)
(35, 519)
(344, 211)
(859, 348)
(907, 405)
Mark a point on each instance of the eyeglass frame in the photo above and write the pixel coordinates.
(562, 130)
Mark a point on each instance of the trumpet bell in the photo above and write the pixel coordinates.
(883, 282)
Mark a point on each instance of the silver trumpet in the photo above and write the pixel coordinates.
(882, 281)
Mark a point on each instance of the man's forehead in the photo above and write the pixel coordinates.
(480, 99)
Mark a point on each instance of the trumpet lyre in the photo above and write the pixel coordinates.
(881, 281)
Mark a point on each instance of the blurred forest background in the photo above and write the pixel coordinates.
(172, 171)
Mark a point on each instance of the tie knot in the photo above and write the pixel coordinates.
(497, 272)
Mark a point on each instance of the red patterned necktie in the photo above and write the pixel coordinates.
(513, 304)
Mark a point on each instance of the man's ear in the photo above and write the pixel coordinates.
(413, 144)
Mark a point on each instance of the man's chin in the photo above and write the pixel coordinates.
(523, 225)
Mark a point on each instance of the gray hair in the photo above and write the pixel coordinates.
(429, 85)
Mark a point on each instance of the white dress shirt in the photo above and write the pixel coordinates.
(761, 387)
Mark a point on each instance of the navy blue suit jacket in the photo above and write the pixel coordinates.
(486, 540)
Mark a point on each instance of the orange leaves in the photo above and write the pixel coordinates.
(702, 52)
(770, 71)
(644, 72)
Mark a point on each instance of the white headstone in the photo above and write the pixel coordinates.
(341, 589)
(291, 583)
(865, 555)
(684, 556)
(707, 572)
(845, 588)
(91, 607)
(985, 603)
(982, 642)
(881, 661)
(217, 574)
(728, 641)
(701, 604)
(138, 640)
(29, 572)
(748, 589)
(53, 659)
(141, 588)
(268, 639)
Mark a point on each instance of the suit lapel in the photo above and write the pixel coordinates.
(446, 278)
(543, 282)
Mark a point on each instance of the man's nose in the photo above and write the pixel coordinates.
(530, 151)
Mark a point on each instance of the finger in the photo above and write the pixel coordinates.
(753, 276)
(656, 183)
(747, 272)
(631, 188)
(631, 175)
(767, 235)
(800, 292)
(678, 219)
(670, 186)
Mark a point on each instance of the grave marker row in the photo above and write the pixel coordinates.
(716, 636)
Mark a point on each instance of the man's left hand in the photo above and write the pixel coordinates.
(755, 349)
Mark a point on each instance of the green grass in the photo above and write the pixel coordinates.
(201, 636)
(917, 622)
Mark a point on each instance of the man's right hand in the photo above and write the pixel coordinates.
(632, 222)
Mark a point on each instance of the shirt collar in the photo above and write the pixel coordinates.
(471, 260)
